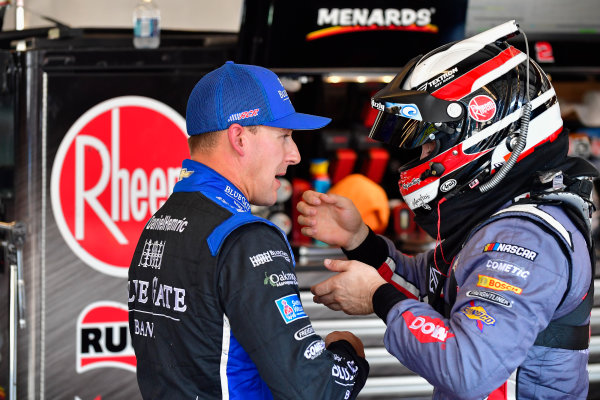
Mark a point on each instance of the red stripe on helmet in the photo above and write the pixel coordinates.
(461, 86)
(452, 159)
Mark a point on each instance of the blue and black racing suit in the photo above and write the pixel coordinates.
(215, 308)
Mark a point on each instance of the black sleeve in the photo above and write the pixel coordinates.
(385, 297)
(373, 250)
(260, 296)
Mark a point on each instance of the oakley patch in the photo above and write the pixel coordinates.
(511, 249)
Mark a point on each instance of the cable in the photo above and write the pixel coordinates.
(520, 146)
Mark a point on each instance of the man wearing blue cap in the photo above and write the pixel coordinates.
(216, 313)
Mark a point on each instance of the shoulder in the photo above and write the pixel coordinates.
(258, 237)
(519, 239)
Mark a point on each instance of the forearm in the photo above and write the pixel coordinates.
(373, 250)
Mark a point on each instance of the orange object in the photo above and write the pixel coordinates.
(370, 200)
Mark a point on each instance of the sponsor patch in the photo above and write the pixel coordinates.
(427, 329)
(260, 259)
(404, 110)
(344, 373)
(490, 297)
(511, 249)
(503, 266)
(184, 173)
(290, 308)
(279, 253)
(267, 256)
(440, 80)
(305, 332)
(482, 108)
(479, 314)
(167, 223)
(281, 279)
(314, 349)
(497, 284)
(240, 201)
(152, 254)
(448, 185)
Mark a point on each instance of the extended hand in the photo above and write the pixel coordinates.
(351, 290)
(332, 219)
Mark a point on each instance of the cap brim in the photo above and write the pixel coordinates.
(299, 121)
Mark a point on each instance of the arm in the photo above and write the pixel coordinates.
(262, 302)
(499, 328)
(496, 317)
(332, 219)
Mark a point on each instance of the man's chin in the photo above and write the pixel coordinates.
(266, 202)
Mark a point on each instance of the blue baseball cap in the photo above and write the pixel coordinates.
(246, 95)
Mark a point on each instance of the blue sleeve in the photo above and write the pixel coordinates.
(260, 295)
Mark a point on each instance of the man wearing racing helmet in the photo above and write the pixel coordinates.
(501, 306)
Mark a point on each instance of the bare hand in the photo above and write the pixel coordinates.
(351, 290)
(332, 219)
(349, 337)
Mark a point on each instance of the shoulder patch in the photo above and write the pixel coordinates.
(511, 249)
(290, 308)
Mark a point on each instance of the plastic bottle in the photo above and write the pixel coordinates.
(146, 25)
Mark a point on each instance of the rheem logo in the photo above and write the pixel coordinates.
(103, 337)
(114, 168)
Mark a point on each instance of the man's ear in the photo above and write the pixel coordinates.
(237, 138)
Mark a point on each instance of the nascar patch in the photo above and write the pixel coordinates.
(290, 308)
(511, 249)
(497, 284)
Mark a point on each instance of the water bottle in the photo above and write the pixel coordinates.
(146, 25)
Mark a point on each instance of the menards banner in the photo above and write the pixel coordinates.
(349, 33)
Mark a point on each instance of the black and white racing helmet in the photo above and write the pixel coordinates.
(464, 102)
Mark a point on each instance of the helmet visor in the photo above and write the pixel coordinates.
(402, 132)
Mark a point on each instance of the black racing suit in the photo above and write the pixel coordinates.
(215, 308)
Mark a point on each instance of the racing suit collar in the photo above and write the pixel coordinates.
(197, 177)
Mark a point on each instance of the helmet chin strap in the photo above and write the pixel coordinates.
(522, 138)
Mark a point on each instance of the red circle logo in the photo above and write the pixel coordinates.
(114, 168)
(482, 108)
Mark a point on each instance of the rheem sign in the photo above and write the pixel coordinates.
(114, 168)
